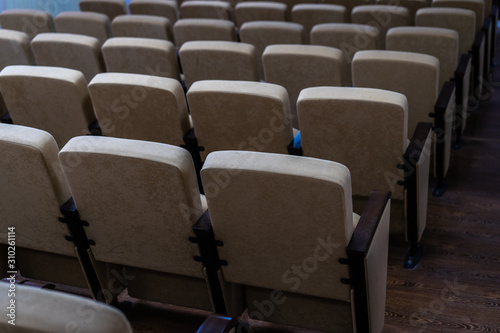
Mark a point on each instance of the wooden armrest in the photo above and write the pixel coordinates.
(217, 324)
(370, 218)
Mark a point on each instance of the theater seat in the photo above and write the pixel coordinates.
(311, 14)
(288, 235)
(111, 8)
(187, 30)
(220, 10)
(142, 26)
(30, 21)
(167, 9)
(249, 11)
(84, 23)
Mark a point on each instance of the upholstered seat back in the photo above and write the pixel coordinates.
(84, 23)
(296, 67)
(154, 108)
(111, 8)
(363, 129)
(412, 5)
(29, 21)
(167, 9)
(141, 56)
(438, 42)
(477, 6)
(215, 60)
(32, 188)
(142, 26)
(16, 49)
(187, 30)
(82, 53)
(239, 115)
(220, 10)
(259, 11)
(414, 75)
(49, 98)
(310, 14)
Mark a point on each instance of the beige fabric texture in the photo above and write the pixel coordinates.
(16, 49)
(477, 6)
(142, 26)
(382, 17)
(33, 188)
(462, 21)
(438, 42)
(384, 70)
(310, 14)
(376, 272)
(288, 200)
(52, 99)
(423, 181)
(220, 10)
(412, 5)
(141, 107)
(167, 9)
(187, 30)
(82, 53)
(44, 311)
(29, 21)
(141, 56)
(111, 8)
(240, 115)
(259, 11)
(296, 67)
(218, 60)
(363, 129)
(264, 33)
(84, 23)
(349, 5)
(140, 199)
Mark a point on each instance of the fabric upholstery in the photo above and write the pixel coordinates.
(29, 21)
(382, 17)
(141, 107)
(412, 5)
(84, 23)
(16, 49)
(141, 56)
(44, 311)
(82, 53)
(167, 9)
(240, 115)
(310, 14)
(140, 199)
(49, 98)
(264, 33)
(288, 200)
(143, 26)
(206, 9)
(384, 70)
(475, 5)
(296, 67)
(187, 30)
(111, 8)
(438, 42)
(363, 129)
(218, 60)
(259, 11)
(462, 21)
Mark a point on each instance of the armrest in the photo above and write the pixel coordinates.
(477, 64)
(367, 252)
(210, 257)
(217, 324)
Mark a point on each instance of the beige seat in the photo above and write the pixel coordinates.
(348, 37)
(296, 67)
(220, 10)
(187, 30)
(311, 14)
(31, 173)
(264, 33)
(382, 17)
(412, 5)
(141, 56)
(230, 115)
(142, 26)
(366, 130)
(84, 23)
(53, 99)
(141, 107)
(119, 185)
(249, 11)
(29, 21)
(477, 6)
(214, 60)
(419, 83)
(47, 311)
(295, 216)
(111, 8)
(79, 52)
(167, 9)
(349, 5)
